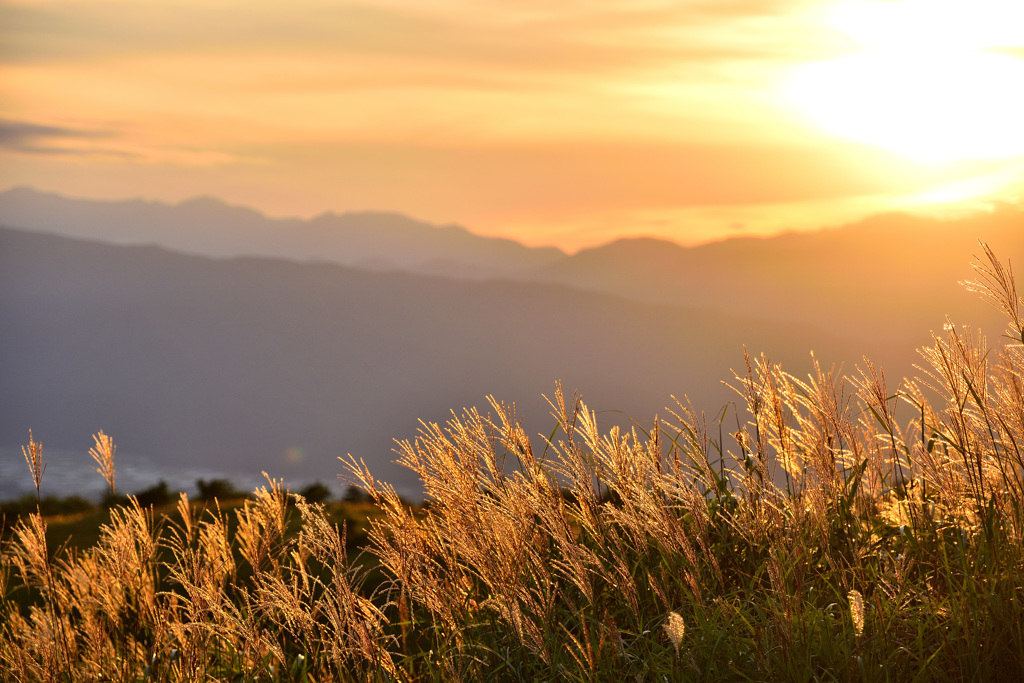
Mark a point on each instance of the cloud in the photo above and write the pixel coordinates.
(35, 138)
(400, 69)
(593, 36)
(25, 137)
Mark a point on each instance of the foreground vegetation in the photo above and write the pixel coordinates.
(74, 523)
(834, 528)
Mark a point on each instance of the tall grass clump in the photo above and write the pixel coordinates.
(265, 594)
(829, 528)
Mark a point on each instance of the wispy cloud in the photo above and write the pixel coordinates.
(35, 138)
(392, 69)
(591, 36)
(26, 137)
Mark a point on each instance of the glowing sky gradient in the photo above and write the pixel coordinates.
(566, 123)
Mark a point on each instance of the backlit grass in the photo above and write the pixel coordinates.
(834, 528)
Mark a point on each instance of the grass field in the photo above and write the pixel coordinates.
(838, 528)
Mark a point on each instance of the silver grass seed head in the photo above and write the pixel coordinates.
(675, 628)
(857, 610)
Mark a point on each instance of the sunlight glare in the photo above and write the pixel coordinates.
(927, 80)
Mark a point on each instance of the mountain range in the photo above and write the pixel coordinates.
(209, 227)
(196, 347)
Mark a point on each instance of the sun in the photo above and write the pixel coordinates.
(933, 80)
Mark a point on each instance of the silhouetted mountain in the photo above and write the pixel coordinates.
(209, 227)
(889, 277)
(252, 364)
(262, 363)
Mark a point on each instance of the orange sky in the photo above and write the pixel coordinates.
(566, 123)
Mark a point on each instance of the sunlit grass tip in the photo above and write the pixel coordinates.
(675, 627)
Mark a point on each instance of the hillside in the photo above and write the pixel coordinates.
(891, 276)
(248, 364)
(285, 361)
(205, 226)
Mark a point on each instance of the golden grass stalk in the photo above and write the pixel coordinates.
(675, 627)
(103, 453)
(857, 611)
(33, 453)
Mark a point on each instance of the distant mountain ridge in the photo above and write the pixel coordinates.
(283, 363)
(250, 364)
(891, 274)
(209, 227)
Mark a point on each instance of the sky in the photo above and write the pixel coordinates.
(567, 123)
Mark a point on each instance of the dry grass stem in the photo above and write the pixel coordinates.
(103, 453)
